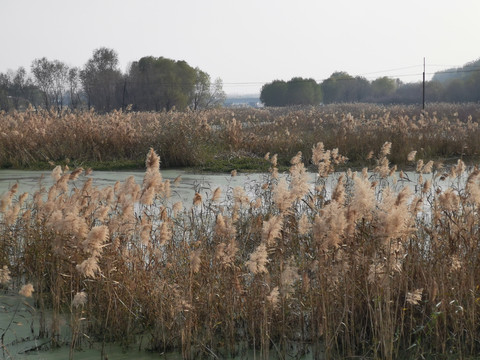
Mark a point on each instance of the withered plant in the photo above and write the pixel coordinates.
(376, 263)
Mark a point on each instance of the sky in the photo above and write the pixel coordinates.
(247, 43)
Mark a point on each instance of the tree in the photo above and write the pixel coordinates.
(332, 87)
(5, 101)
(217, 96)
(60, 83)
(274, 93)
(51, 78)
(359, 90)
(42, 70)
(434, 91)
(205, 94)
(180, 85)
(455, 91)
(472, 85)
(160, 83)
(17, 90)
(102, 80)
(74, 87)
(409, 93)
(297, 91)
(18, 87)
(303, 92)
(342, 87)
(201, 90)
(459, 84)
(383, 87)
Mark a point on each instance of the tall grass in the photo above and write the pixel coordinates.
(370, 264)
(443, 131)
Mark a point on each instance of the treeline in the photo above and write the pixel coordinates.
(151, 83)
(461, 85)
(297, 91)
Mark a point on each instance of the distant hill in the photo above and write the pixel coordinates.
(460, 73)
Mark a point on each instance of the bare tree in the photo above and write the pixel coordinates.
(74, 87)
(5, 84)
(205, 94)
(17, 89)
(60, 83)
(52, 79)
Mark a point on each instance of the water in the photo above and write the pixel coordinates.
(19, 325)
(30, 181)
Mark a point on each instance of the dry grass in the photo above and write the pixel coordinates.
(444, 131)
(372, 264)
(374, 269)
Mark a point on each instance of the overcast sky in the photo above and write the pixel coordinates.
(249, 42)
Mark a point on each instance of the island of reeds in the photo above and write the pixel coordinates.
(227, 139)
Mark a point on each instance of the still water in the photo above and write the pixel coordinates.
(30, 181)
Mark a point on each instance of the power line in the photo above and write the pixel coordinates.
(452, 70)
(384, 71)
(350, 78)
(475, 69)
(353, 78)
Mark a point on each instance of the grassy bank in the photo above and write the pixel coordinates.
(380, 266)
(223, 139)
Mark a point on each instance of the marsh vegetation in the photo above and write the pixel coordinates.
(226, 139)
(370, 263)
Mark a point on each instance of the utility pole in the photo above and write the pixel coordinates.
(423, 93)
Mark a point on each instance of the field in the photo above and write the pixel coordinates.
(377, 263)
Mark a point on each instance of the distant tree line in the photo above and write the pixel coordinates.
(297, 91)
(454, 85)
(150, 84)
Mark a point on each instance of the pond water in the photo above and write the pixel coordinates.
(19, 324)
(30, 181)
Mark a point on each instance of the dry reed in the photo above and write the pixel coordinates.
(372, 264)
(443, 131)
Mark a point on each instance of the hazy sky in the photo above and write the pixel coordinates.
(248, 42)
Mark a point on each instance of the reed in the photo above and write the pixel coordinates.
(84, 139)
(360, 264)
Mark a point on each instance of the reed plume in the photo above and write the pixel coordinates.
(258, 260)
(26, 290)
(80, 299)
(5, 275)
